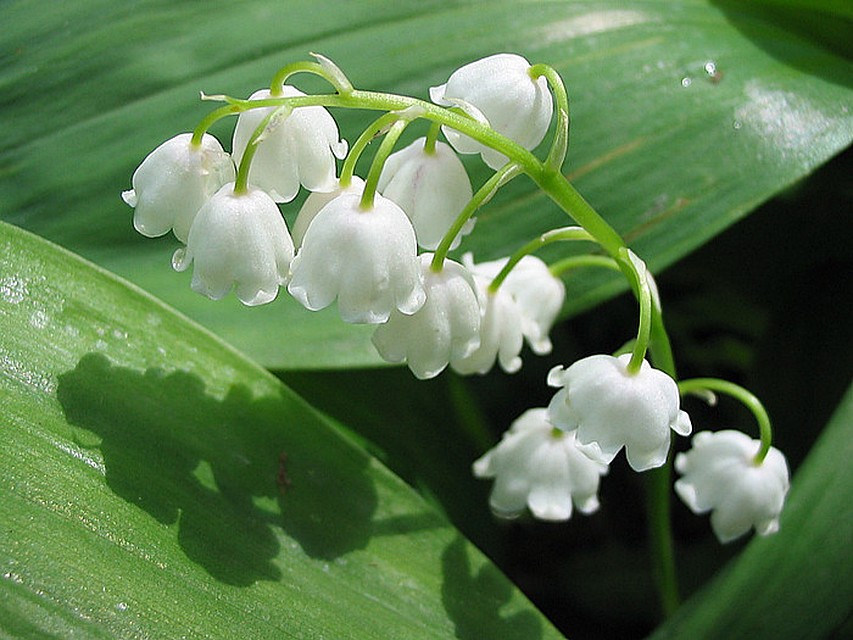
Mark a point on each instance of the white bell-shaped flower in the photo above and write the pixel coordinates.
(444, 330)
(501, 336)
(719, 474)
(366, 258)
(538, 293)
(432, 188)
(500, 90)
(238, 240)
(613, 408)
(174, 181)
(299, 148)
(315, 202)
(541, 468)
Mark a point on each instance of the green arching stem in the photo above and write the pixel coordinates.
(241, 183)
(379, 159)
(660, 348)
(652, 336)
(374, 129)
(431, 138)
(549, 179)
(483, 195)
(746, 397)
(555, 235)
(213, 117)
(657, 481)
(561, 191)
(658, 484)
(560, 144)
(328, 71)
(640, 282)
(337, 80)
(560, 267)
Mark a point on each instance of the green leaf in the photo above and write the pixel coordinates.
(156, 483)
(796, 583)
(667, 147)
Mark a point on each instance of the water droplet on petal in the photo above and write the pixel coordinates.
(181, 260)
(130, 197)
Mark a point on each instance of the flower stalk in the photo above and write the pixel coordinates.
(550, 180)
(379, 159)
(483, 195)
(555, 235)
(747, 398)
(242, 181)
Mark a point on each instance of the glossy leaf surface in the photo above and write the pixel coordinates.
(686, 115)
(157, 484)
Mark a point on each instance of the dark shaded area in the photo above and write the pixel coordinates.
(492, 590)
(413, 426)
(192, 460)
(767, 304)
(185, 457)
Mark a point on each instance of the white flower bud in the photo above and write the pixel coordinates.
(541, 468)
(499, 89)
(720, 475)
(366, 258)
(501, 336)
(538, 293)
(432, 188)
(612, 408)
(315, 202)
(238, 240)
(297, 149)
(444, 330)
(174, 181)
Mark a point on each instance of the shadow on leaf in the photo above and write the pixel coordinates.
(230, 473)
(473, 599)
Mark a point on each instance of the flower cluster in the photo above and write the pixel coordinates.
(378, 246)
(601, 407)
(355, 242)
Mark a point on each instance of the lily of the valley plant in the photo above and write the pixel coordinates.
(378, 246)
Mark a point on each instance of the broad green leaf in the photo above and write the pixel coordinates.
(157, 484)
(686, 115)
(796, 583)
